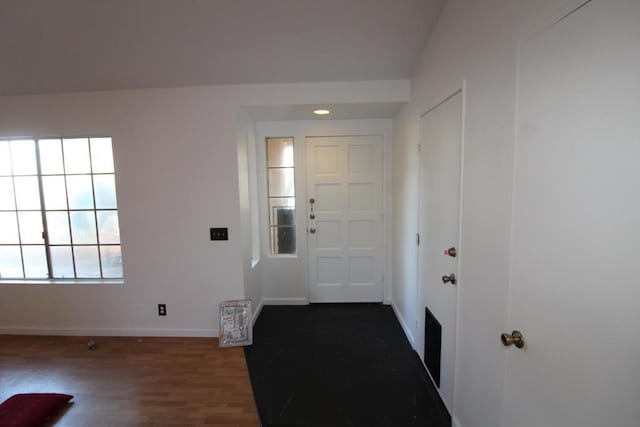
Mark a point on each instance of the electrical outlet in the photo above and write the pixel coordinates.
(219, 233)
(162, 309)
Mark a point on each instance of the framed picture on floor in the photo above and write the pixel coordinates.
(235, 323)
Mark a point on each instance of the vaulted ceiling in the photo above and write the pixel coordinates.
(79, 45)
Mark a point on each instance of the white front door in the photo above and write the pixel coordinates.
(440, 166)
(344, 225)
(575, 283)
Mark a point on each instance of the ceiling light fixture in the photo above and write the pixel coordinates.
(321, 112)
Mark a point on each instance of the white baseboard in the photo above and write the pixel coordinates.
(407, 332)
(285, 301)
(108, 332)
(405, 327)
(256, 312)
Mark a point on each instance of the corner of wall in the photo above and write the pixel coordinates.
(405, 327)
(256, 312)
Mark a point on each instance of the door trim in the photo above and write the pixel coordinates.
(462, 90)
(298, 266)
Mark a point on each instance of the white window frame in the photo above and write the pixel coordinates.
(269, 196)
(51, 279)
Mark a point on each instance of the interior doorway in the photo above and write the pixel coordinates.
(576, 222)
(286, 278)
(438, 253)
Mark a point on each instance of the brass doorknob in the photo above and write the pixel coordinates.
(514, 338)
(312, 216)
(312, 230)
(449, 279)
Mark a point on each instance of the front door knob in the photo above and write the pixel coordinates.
(451, 252)
(312, 230)
(514, 338)
(449, 279)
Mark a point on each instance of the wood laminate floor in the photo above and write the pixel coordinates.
(132, 381)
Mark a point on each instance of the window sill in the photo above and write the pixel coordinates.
(283, 256)
(64, 282)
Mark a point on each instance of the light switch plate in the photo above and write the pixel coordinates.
(219, 233)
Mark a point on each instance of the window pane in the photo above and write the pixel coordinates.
(62, 261)
(279, 152)
(55, 193)
(80, 192)
(108, 228)
(7, 201)
(285, 216)
(105, 186)
(30, 228)
(9, 228)
(111, 261)
(87, 263)
(101, 155)
(27, 193)
(76, 155)
(23, 157)
(5, 158)
(77, 174)
(10, 262)
(283, 240)
(35, 262)
(51, 156)
(83, 227)
(58, 226)
(282, 211)
(281, 183)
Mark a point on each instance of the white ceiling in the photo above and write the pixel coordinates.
(379, 110)
(79, 45)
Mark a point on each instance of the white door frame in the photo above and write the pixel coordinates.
(460, 255)
(292, 286)
(567, 33)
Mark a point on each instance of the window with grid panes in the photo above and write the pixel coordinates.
(58, 209)
(281, 196)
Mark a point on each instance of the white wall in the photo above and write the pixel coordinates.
(476, 42)
(404, 258)
(285, 278)
(247, 186)
(176, 157)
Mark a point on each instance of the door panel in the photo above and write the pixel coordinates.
(344, 178)
(576, 222)
(440, 177)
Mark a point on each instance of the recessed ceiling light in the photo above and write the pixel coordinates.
(321, 112)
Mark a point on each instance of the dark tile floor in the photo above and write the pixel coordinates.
(331, 365)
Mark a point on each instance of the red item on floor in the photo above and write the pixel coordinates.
(31, 409)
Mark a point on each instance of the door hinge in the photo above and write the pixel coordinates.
(418, 239)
